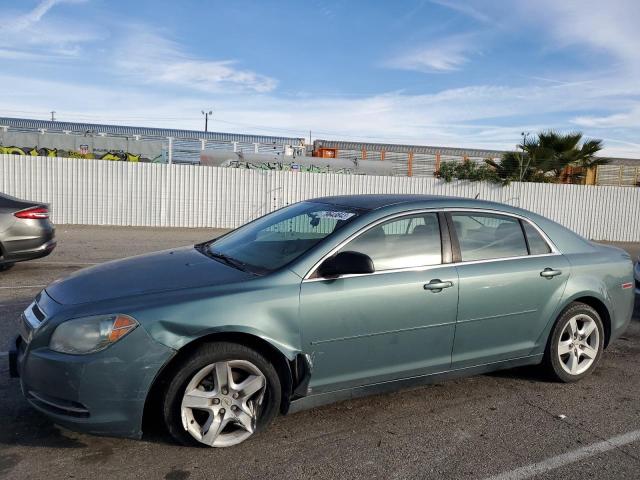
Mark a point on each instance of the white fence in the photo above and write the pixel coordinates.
(118, 193)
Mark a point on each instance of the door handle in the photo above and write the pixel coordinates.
(437, 285)
(549, 273)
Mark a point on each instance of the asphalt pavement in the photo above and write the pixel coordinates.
(508, 425)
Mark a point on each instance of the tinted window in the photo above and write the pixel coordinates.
(486, 236)
(411, 241)
(537, 244)
(280, 237)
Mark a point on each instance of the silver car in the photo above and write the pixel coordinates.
(25, 231)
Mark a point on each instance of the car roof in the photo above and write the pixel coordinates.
(377, 201)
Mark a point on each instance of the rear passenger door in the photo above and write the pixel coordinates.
(510, 283)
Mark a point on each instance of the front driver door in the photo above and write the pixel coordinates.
(391, 324)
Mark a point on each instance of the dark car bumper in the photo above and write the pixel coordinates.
(102, 393)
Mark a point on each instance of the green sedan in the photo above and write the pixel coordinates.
(320, 301)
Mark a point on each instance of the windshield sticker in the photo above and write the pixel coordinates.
(333, 214)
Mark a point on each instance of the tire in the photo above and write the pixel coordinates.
(571, 353)
(211, 402)
(6, 266)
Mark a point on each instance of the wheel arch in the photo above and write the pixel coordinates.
(594, 301)
(290, 370)
(605, 315)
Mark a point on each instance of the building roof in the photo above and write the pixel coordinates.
(26, 124)
(392, 147)
(432, 150)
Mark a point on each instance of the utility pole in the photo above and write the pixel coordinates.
(53, 115)
(524, 146)
(523, 169)
(309, 137)
(206, 119)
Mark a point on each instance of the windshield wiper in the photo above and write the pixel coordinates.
(235, 263)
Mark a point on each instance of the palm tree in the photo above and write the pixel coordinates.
(546, 157)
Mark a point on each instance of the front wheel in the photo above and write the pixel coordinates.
(221, 395)
(576, 343)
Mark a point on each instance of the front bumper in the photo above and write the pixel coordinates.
(102, 393)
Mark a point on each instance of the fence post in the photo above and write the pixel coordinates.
(410, 165)
(170, 152)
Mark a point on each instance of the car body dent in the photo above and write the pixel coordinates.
(264, 308)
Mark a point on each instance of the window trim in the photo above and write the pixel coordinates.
(553, 250)
(310, 274)
(452, 237)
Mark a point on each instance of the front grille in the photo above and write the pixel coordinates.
(38, 313)
(30, 320)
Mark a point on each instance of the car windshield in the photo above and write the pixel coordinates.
(278, 238)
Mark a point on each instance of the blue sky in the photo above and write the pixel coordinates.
(438, 72)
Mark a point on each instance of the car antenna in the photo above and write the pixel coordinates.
(477, 195)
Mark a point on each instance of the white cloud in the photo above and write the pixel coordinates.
(31, 36)
(479, 116)
(152, 59)
(441, 55)
(151, 80)
(463, 8)
(604, 27)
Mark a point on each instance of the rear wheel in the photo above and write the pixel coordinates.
(576, 343)
(221, 395)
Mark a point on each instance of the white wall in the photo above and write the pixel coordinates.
(117, 193)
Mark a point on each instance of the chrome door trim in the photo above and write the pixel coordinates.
(545, 237)
(554, 250)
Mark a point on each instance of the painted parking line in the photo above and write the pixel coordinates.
(22, 286)
(573, 456)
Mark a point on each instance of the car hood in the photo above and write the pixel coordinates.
(151, 273)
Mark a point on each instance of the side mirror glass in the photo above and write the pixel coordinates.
(346, 263)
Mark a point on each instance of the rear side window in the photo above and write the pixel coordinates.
(537, 244)
(486, 236)
(411, 241)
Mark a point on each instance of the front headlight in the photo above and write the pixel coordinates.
(90, 334)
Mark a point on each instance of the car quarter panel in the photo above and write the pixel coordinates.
(601, 275)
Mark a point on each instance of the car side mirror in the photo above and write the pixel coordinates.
(346, 263)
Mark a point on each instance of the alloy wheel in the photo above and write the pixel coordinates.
(221, 403)
(578, 344)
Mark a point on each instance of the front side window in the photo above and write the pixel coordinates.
(485, 236)
(411, 241)
(280, 237)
